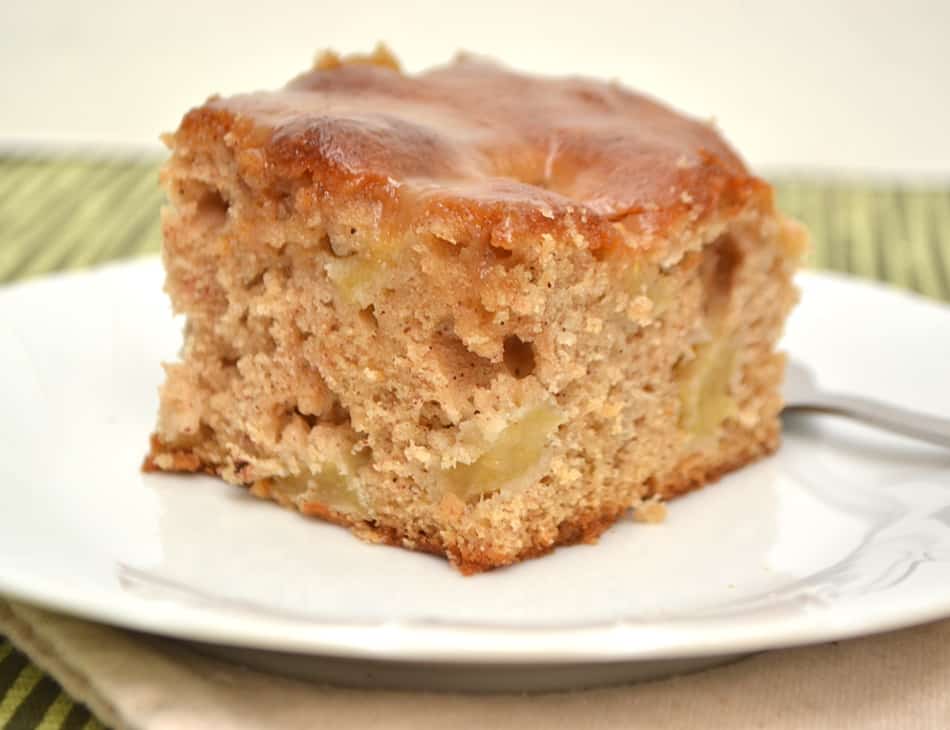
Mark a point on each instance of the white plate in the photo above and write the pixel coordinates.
(845, 531)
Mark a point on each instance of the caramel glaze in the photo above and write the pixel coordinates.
(473, 150)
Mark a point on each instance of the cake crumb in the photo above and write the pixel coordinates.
(640, 309)
(651, 511)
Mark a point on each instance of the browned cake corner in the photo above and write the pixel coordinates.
(469, 311)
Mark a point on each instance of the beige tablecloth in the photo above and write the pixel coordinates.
(895, 680)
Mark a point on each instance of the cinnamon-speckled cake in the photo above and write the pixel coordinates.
(469, 311)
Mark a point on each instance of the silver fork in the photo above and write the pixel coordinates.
(802, 393)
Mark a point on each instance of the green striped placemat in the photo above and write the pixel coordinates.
(31, 699)
(70, 213)
(67, 213)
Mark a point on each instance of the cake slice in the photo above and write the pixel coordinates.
(471, 312)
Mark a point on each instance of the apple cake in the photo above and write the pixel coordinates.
(471, 311)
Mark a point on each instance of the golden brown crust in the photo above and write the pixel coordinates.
(485, 151)
(175, 460)
(584, 527)
(695, 471)
(697, 478)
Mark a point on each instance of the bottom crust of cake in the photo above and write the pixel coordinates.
(737, 449)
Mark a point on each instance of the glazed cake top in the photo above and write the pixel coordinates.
(483, 145)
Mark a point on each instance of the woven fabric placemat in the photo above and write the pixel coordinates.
(67, 213)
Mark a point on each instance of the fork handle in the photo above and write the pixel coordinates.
(933, 429)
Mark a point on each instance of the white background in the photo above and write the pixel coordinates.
(838, 86)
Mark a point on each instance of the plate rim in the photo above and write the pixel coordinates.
(419, 641)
